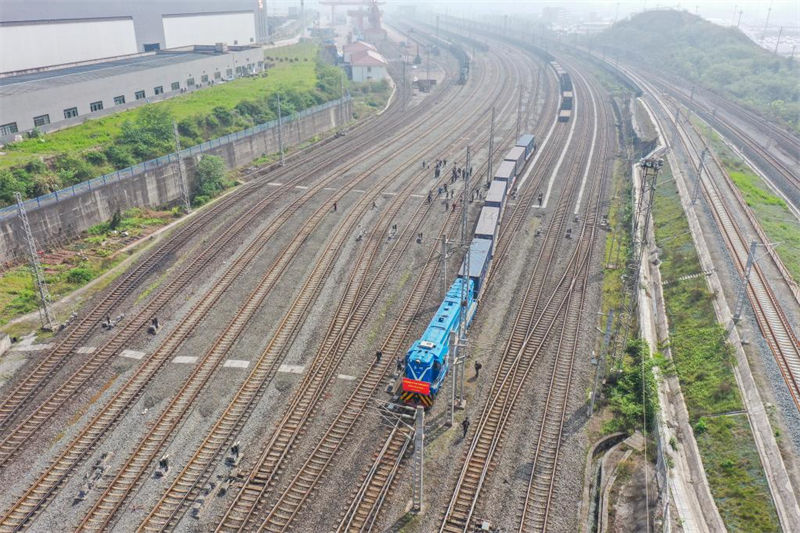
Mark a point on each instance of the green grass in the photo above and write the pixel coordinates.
(86, 259)
(734, 472)
(703, 362)
(97, 132)
(776, 220)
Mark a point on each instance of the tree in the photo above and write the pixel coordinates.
(210, 174)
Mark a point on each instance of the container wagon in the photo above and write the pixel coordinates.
(480, 255)
(566, 100)
(496, 195)
(528, 142)
(488, 222)
(505, 172)
(517, 156)
(564, 115)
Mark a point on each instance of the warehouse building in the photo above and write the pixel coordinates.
(53, 99)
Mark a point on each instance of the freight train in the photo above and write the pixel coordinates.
(426, 362)
(565, 82)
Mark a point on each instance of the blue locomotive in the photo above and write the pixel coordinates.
(426, 362)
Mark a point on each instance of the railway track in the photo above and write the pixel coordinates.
(241, 514)
(771, 318)
(284, 511)
(43, 373)
(45, 486)
(538, 316)
(367, 500)
(14, 439)
(537, 500)
(146, 453)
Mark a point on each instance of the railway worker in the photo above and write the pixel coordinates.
(374, 205)
(540, 199)
(334, 207)
(478, 367)
(436, 173)
(378, 356)
(465, 426)
(454, 206)
(446, 206)
(429, 198)
(423, 163)
(445, 188)
(399, 364)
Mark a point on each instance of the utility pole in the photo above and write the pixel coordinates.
(740, 19)
(453, 356)
(778, 42)
(489, 175)
(699, 179)
(739, 307)
(405, 84)
(766, 24)
(419, 444)
(181, 181)
(519, 111)
(341, 99)
(280, 132)
(464, 303)
(444, 266)
(45, 314)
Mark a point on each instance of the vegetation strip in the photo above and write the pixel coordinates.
(703, 362)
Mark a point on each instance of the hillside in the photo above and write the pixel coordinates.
(720, 59)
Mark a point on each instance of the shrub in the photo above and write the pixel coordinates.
(120, 157)
(96, 158)
(223, 115)
(210, 175)
(79, 275)
(9, 184)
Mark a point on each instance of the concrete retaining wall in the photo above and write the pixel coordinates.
(64, 220)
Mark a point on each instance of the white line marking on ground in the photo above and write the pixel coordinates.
(538, 153)
(185, 359)
(304, 187)
(291, 369)
(591, 152)
(275, 184)
(236, 363)
(563, 152)
(85, 349)
(346, 377)
(131, 354)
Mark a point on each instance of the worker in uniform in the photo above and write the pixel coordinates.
(378, 356)
(465, 426)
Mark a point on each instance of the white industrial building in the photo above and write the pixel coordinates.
(36, 34)
(62, 61)
(365, 63)
(52, 99)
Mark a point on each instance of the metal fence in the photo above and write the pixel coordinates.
(126, 173)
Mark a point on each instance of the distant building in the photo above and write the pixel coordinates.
(36, 34)
(56, 98)
(364, 61)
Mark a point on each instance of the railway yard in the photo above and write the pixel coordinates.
(268, 396)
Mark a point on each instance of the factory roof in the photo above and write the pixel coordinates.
(46, 79)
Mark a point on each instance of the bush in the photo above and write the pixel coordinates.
(79, 275)
(120, 157)
(150, 134)
(9, 184)
(210, 173)
(223, 115)
(96, 158)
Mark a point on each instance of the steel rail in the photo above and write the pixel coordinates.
(280, 445)
(23, 509)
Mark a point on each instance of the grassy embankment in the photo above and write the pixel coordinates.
(776, 220)
(722, 59)
(77, 263)
(703, 361)
(39, 165)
